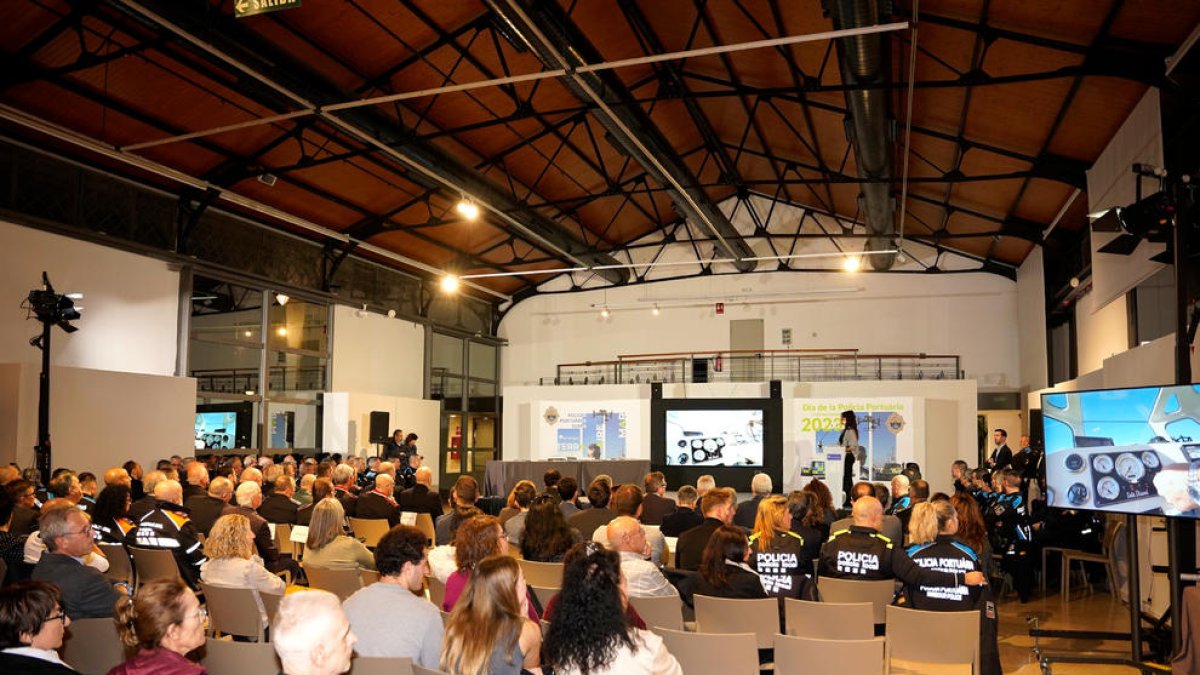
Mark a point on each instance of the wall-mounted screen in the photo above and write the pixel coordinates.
(715, 437)
(732, 439)
(1124, 450)
(223, 427)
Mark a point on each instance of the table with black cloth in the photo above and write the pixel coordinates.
(500, 476)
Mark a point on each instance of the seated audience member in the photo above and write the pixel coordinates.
(251, 475)
(511, 505)
(587, 520)
(327, 545)
(823, 513)
(25, 510)
(704, 484)
(723, 569)
(109, 524)
(747, 511)
(546, 536)
(118, 476)
(568, 493)
(35, 545)
(655, 505)
(779, 555)
(66, 486)
(249, 498)
(322, 488)
(87, 485)
(205, 510)
(591, 633)
(344, 486)
(143, 505)
(891, 528)
(378, 503)
(960, 473)
(475, 539)
(799, 505)
(303, 496)
(406, 476)
(684, 517)
(900, 497)
(233, 563)
(627, 500)
(934, 546)
(420, 497)
(883, 494)
(68, 538)
(627, 537)
(32, 624)
(523, 496)
(489, 630)
(136, 486)
(717, 505)
(311, 634)
(971, 530)
(861, 552)
(12, 547)
(550, 479)
(197, 481)
(164, 622)
(167, 526)
(279, 507)
(918, 491)
(463, 496)
(401, 561)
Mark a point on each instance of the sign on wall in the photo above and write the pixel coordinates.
(586, 429)
(243, 8)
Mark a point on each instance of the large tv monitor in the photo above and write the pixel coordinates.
(1124, 450)
(732, 439)
(223, 426)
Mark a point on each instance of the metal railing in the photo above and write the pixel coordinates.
(790, 365)
(242, 380)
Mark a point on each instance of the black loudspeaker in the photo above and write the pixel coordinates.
(776, 389)
(655, 390)
(379, 426)
(290, 431)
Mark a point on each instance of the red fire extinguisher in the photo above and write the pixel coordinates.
(717, 363)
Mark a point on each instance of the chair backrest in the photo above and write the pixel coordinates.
(422, 670)
(270, 603)
(153, 563)
(542, 575)
(369, 530)
(543, 595)
(814, 655)
(368, 576)
(341, 582)
(233, 611)
(664, 611)
(878, 593)
(226, 657)
(933, 637)
(381, 665)
(92, 647)
(437, 591)
(425, 524)
(120, 567)
(731, 654)
(830, 620)
(283, 539)
(737, 615)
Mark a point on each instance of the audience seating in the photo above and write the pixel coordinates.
(225, 657)
(153, 563)
(92, 647)
(120, 567)
(369, 530)
(445, 617)
(283, 540)
(437, 591)
(425, 524)
(663, 611)
(543, 595)
(932, 637)
(233, 611)
(734, 615)
(381, 665)
(368, 576)
(813, 655)
(1113, 529)
(878, 593)
(422, 670)
(698, 653)
(830, 620)
(271, 604)
(542, 575)
(342, 583)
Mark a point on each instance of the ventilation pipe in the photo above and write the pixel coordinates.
(864, 61)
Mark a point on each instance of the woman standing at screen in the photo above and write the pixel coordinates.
(848, 439)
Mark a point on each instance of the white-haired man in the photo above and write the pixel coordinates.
(311, 635)
(249, 498)
(760, 486)
(900, 497)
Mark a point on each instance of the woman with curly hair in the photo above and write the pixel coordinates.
(32, 623)
(165, 623)
(232, 561)
(547, 536)
(590, 634)
(723, 569)
(477, 538)
(109, 524)
(488, 632)
(821, 513)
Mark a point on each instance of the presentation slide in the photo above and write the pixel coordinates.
(715, 437)
(216, 430)
(1124, 450)
(586, 429)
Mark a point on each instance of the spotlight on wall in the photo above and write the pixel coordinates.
(604, 313)
(281, 331)
(281, 299)
(449, 283)
(851, 263)
(655, 310)
(467, 209)
(391, 313)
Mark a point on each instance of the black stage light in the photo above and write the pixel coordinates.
(1149, 219)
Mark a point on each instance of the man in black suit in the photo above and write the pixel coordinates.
(420, 498)
(684, 517)
(655, 505)
(25, 513)
(1001, 456)
(207, 508)
(68, 536)
(249, 498)
(279, 507)
(718, 505)
(321, 488)
(197, 481)
(378, 503)
(343, 487)
(141, 507)
(760, 486)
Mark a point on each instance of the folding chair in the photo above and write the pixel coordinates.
(233, 611)
(878, 593)
(727, 654)
(662, 611)
(120, 567)
(830, 620)
(734, 615)
(226, 657)
(341, 582)
(542, 575)
(815, 655)
(92, 646)
(932, 637)
(369, 530)
(153, 563)
(381, 665)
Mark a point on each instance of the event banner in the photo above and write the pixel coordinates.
(586, 429)
(886, 439)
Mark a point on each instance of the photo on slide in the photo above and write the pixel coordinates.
(877, 434)
(595, 434)
(216, 430)
(714, 438)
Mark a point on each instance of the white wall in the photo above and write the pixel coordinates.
(378, 355)
(130, 303)
(347, 423)
(1100, 331)
(98, 419)
(1031, 321)
(972, 315)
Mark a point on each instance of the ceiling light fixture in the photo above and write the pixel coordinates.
(851, 263)
(467, 209)
(655, 310)
(449, 283)
(281, 299)
(281, 331)
(604, 313)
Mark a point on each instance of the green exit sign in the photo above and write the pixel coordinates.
(244, 8)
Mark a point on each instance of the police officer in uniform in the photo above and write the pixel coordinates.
(1011, 533)
(934, 525)
(861, 552)
(778, 554)
(167, 526)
